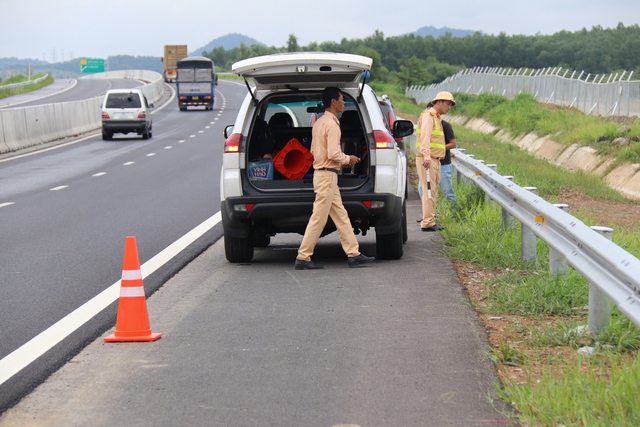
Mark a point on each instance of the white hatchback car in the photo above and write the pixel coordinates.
(267, 174)
(125, 111)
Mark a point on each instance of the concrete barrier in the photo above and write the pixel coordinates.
(29, 126)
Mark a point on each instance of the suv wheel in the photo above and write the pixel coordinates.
(146, 134)
(261, 240)
(238, 249)
(106, 135)
(405, 232)
(389, 246)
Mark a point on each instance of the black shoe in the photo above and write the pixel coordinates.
(420, 220)
(433, 228)
(355, 261)
(307, 265)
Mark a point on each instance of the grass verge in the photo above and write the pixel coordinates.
(535, 324)
(5, 93)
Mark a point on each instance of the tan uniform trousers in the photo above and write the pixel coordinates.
(328, 203)
(429, 205)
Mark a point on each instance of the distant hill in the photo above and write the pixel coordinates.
(439, 32)
(127, 62)
(227, 42)
(15, 62)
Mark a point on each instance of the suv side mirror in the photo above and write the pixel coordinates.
(402, 128)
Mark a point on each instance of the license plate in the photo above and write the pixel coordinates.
(122, 116)
(195, 98)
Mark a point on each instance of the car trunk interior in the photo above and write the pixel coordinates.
(278, 144)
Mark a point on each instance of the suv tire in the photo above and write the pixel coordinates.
(389, 246)
(106, 136)
(238, 249)
(261, 240)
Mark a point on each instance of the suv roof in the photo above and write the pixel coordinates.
(306, 70)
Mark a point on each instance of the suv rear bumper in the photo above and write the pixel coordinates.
(291, 214)
(124, 126)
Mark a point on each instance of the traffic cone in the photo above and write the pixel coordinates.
(133, 320)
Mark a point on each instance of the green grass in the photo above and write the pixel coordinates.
(5, 93)
(579, 398)
(524, 114)
(474, 233)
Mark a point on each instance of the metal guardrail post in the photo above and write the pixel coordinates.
(507, 219)
(599, 304)
(459, 175)
(557, 261)
(487, 198)
(528, 245)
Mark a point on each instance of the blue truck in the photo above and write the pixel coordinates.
(196, 82)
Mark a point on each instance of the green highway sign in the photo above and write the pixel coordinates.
(91, 65)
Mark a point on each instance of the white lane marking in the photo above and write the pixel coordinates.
(128, 164)
(207, 127)
(2, 205)
(99, 174)
(55, 147)
(168, 147)
(151, 154)
(181, 141)
(192, 136)
(60, 187)
(47, 339)
(200, 131)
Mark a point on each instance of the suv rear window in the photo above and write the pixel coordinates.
(123, 100)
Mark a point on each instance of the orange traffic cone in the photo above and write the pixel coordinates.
(133, 320)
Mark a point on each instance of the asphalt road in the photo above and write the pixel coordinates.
(65, 214)
(260, 344)
(391, 343)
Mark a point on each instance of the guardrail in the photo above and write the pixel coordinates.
(15, 86)
(613, 273)
(23, 127)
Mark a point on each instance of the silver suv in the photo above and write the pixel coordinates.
(267, 174)
(125, 111)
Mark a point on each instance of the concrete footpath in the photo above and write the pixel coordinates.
(393, 343)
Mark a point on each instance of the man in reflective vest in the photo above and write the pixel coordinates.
(430, 145)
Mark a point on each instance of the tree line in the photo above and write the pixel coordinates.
(415, 60)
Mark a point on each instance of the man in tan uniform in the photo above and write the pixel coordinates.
(328, 158)
(431, 149)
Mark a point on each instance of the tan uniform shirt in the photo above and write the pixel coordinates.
(325, 143)
(426, 127)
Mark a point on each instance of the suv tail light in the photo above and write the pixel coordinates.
(105, 115)
(232, 144)
(142, 115)
(383, 139)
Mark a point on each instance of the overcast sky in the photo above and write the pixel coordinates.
(70, 29)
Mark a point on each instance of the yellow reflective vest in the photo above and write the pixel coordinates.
(437, 142)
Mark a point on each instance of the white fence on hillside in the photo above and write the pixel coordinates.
(603, 95)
